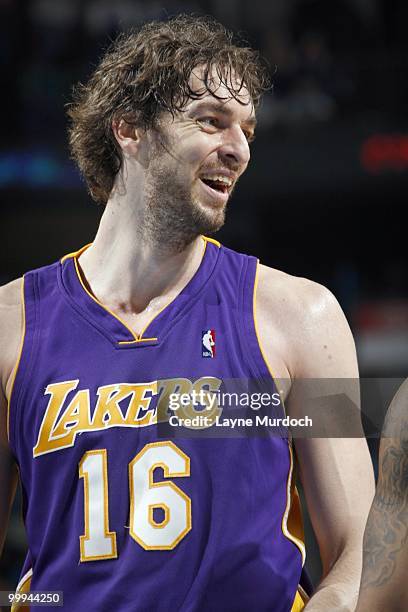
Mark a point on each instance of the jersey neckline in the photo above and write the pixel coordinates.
(111, 325)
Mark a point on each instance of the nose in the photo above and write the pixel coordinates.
(235, 148)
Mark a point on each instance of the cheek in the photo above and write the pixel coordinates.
(197, 149)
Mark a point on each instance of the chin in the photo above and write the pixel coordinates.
(208, 218)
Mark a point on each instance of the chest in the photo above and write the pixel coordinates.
(138, 322)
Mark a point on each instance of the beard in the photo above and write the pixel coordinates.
(174, 216)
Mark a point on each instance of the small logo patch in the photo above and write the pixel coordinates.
(208, 343)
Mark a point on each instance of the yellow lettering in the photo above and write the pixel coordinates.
(107, 412)
(75, 418)
(58, 392)
(166, 388)
(208, 384)
(140, 402)
(56, 434)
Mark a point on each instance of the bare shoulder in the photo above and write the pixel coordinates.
(11, 328)
(385, 562)
(309, 322)
(396, 420)
(392, 490)
(303, 297)
(10, 294)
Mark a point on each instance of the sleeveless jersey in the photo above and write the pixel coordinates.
(119, 515)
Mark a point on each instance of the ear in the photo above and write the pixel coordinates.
(127, 136)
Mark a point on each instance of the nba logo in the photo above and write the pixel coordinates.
(208, 343)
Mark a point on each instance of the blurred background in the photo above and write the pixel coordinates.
(326, 191)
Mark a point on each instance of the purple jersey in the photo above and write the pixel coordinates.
(122, 511)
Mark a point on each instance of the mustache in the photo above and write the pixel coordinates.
(227, 168)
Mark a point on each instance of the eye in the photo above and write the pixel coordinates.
(211, 122)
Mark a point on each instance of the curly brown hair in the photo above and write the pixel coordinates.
(145, 73)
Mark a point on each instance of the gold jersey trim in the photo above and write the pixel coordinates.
(23, 587)
(76, 253)
(300, 601)
(140, 337)
(95, 299)
(212, 240)
(136, 337)
(289, 498)
(289, 493)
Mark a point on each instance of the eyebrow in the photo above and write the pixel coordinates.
(219, 107)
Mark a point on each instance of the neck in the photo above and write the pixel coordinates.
(126, 268)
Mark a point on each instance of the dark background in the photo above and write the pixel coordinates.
(324, 196)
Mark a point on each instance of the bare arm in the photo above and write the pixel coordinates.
(385, 555)
(11, 323)
(336, 472)
(8, 477)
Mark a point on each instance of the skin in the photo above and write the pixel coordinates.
(143, 256)
(11, 329)
(385, 558)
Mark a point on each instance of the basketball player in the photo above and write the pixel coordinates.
(118, 517)
(385, 562)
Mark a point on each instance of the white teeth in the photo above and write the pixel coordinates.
(218, 177)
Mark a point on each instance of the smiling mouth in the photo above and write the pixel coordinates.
(215, 185)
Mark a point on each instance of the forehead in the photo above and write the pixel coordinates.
(218, 88)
